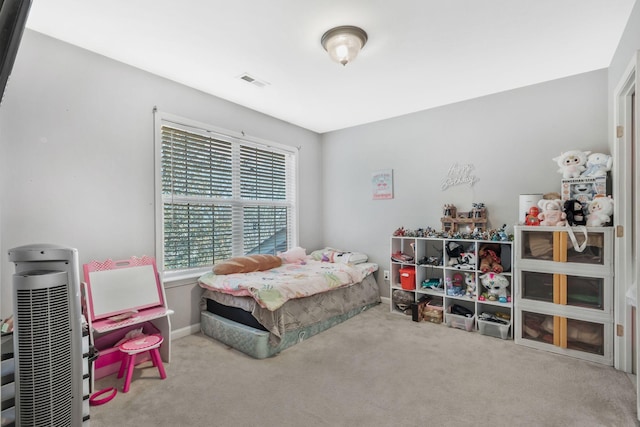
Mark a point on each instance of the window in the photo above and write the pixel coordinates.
(221, 196)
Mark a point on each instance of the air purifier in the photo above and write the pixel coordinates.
(47, 336)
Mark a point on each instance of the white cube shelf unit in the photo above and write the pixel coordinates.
(430, 264)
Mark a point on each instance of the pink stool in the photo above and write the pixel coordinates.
(134, 346)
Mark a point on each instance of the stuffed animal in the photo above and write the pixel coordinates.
(572, 163)
(458, 258)
(454, 249)
(466, 261)
(489, 255)
(496, 285)
(574, 212)
(470, 282)
(599, 211)
(598, 164)
(551, 212)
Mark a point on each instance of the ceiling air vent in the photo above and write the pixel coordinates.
(250, 79)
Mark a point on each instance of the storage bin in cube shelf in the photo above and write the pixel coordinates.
(460, 322)
(408, 278)
(494, 329)
(433, 313)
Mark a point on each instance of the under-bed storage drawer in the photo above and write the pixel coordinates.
(251, 341)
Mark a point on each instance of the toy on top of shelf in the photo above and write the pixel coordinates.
(489, 255)
(551, 212)
(500, 234)
(598, 164)
(399, 232)
(599, 211)
(457, 222)
(572, 163)
(532, 216)
(574, 212)
(496, 286)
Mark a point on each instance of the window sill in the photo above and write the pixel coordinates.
(177, 279)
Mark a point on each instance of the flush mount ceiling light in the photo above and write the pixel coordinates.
(344, 43)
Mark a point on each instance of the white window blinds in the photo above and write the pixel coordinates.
(223, 197)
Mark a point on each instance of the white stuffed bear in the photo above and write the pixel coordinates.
(496, 285)
(551, 212)
(598, 164)
(572, 163)
(599, 211)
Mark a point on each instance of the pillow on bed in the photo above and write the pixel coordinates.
(334, 255)
(295, 255)
(352, 258)
(247, 264)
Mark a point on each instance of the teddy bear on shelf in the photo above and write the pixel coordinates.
(551, 212)
(497, 287)
(599, 211)
(572, 163)
(489, 255)
(598, 164)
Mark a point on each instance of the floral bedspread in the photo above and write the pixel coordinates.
(272, 288)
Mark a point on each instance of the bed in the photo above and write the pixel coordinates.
(262, 313)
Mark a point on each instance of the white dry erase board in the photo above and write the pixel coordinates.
(120, 290)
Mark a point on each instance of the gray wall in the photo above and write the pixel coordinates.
(77, 150)
(510, 139)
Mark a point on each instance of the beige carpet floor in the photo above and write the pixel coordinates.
(376, 369)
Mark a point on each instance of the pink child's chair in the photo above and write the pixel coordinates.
(135, 346)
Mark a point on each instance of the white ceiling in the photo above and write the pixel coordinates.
(420, 53)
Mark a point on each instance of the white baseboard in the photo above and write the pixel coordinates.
(183, 332)
(385, 300)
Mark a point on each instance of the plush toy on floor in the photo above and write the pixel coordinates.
(489, 256)
(551, 212)
(572, 163)
(600, 210)
(497, 287)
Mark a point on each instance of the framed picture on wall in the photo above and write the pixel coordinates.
(382, 184)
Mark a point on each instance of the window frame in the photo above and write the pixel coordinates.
(235, 138)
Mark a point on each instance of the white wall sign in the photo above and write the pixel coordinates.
(382, 184)
(459, 175)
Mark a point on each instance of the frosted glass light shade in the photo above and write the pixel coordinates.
(344, 43)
